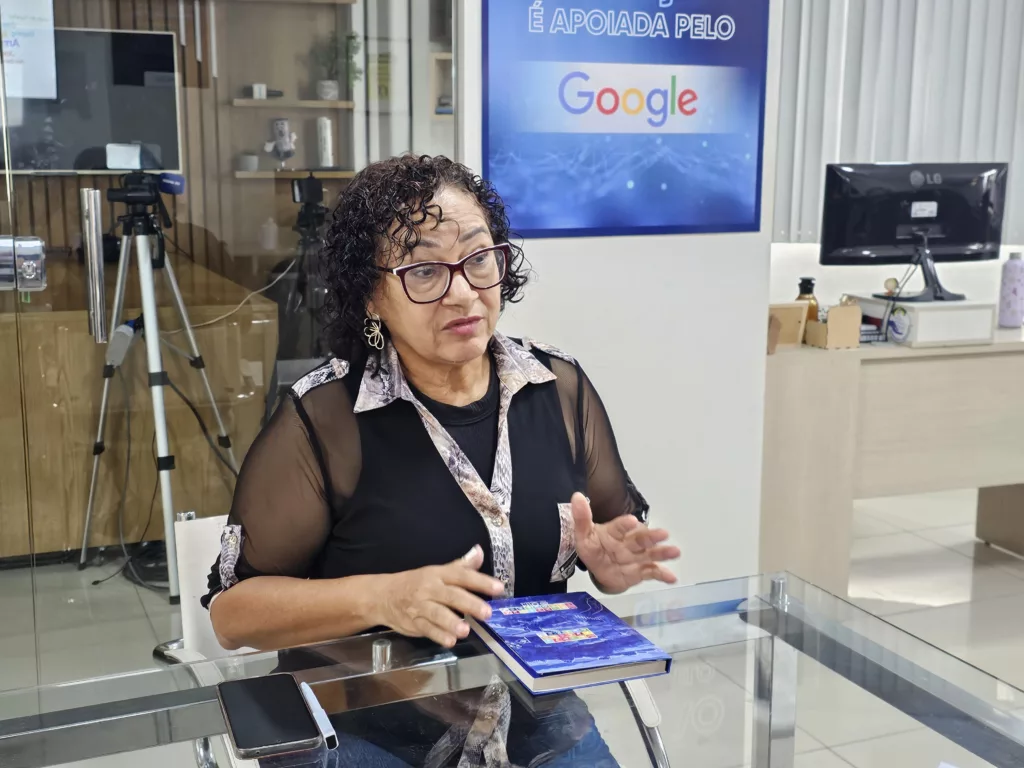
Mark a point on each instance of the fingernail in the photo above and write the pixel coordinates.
(463, 629)
(486, 612)
(469, 555)
(498, 588)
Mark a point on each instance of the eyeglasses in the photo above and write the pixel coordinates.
(428, 281)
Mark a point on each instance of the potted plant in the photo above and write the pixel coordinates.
(327, 56)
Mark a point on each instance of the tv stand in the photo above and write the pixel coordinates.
(933, 288)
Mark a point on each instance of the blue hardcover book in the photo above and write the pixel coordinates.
(558, 642)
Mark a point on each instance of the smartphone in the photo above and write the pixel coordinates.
(267, 716)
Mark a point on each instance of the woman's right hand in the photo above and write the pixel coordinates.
(426, 602)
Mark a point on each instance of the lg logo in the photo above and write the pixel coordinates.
(918, 179)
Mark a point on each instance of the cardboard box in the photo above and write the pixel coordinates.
(791, 318)
(840, 331)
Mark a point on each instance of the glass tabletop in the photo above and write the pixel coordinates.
(767, 671)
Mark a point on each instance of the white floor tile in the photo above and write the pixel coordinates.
(904, 572)
(17, 661)
(918, 749)
(961, 539)
(834, 711)
(927, 510)
(821, 759)
(988, 634)
(865, 526)
(96, 649)
(704, 715)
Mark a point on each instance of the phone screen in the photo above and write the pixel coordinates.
(265, 712)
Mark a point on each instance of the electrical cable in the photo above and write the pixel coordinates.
(891, 304)
(129, 572)
(241, 304)
(124, 489)
(202, 426)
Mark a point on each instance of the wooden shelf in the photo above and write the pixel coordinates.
(285, 104)
(293, 174)
(299, 2)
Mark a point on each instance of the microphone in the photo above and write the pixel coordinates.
(172, 183)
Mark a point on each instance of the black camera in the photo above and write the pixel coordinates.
(308, 190)
(136, 189)
(309, 193)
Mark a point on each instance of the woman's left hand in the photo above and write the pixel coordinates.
(621, 553)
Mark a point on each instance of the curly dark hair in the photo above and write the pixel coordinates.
(400, 190)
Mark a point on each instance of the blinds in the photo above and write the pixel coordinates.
(897, 80)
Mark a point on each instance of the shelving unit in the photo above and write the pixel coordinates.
(299, 2)
(441, 82)
(288, 173)
(283, 104)
(270, 41)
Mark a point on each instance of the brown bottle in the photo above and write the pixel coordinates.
(807, 294)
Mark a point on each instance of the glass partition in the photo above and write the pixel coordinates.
(245, 119)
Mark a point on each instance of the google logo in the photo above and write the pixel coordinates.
(659, 102)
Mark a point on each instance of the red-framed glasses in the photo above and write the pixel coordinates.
(428, 281)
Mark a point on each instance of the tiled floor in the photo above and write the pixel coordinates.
(81, 630)
(914, 561)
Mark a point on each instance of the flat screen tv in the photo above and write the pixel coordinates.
(113, 87)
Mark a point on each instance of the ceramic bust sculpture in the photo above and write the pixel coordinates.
(282, 145)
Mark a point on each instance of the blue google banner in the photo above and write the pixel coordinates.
(616, 117)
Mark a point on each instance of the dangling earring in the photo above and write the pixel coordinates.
(372, 332)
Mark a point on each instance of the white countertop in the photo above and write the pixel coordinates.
(1006, 341)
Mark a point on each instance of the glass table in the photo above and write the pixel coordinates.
(768, 671)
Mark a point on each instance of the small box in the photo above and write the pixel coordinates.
(840, 331)
(790, 321)
(932, 323)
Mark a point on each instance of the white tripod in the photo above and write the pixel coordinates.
(140, 227)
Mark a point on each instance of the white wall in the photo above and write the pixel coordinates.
(672, 330)
(790, 262)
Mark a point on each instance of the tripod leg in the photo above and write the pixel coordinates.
(97, 450)
(157, 380)
(108, 373)
(197, 362)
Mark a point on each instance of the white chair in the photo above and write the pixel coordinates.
(198, 542)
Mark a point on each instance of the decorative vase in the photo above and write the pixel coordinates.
(327, 90)
(248, 162)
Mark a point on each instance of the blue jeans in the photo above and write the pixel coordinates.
(589, 752)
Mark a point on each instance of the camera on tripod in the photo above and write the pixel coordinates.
(309, 193)
(136, 189)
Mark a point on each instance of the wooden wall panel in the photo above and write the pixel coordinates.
(62, 368)
(14, 529)
(48, 206)
(216, 222)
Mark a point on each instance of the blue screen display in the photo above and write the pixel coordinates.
(615, 117)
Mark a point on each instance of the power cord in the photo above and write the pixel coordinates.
(241, 304)
(891, 304)
(127, 565)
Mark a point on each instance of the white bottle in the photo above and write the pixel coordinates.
(268, 235)
(325, 142)
(1011, 293)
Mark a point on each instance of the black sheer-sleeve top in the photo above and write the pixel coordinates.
(358, 473)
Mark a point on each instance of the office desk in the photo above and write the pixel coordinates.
(766, 671)
(887, 420)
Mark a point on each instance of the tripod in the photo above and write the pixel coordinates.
(139, 227)
(301, 346)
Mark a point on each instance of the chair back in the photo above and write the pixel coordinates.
(198, 543)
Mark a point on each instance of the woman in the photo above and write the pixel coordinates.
(432, 463)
